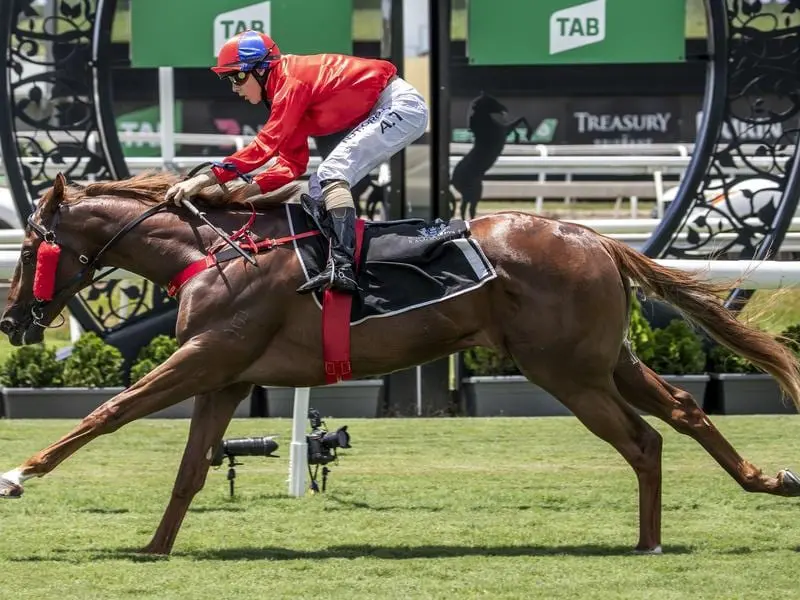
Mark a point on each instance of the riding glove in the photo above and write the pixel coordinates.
(184, 190)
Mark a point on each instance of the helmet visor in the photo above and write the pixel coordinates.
(235, 78)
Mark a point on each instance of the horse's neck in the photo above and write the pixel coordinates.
(165, 243)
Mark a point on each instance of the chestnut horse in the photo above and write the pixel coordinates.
(559, 306)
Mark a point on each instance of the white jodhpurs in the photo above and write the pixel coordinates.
(398, 118)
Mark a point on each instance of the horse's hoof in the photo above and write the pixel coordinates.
(9, 489)
(790, 483)
(655, 551)
(154, 550)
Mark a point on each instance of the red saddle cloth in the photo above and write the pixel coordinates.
(336, 324)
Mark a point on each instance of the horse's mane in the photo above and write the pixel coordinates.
(151, 186)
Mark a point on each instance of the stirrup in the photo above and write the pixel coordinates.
(343, 282)
(319, 282)
(332, 277)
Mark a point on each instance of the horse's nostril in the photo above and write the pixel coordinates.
(7, 325)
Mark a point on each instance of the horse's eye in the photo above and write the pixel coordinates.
(27, 257)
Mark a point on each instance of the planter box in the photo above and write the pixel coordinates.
(515, 396)
(76, 403)
(360, 398)
(508, 396)
(750, 394)
(184, 410)
(54, 403)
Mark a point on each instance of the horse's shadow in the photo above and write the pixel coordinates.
(349, 552)
(412, 552)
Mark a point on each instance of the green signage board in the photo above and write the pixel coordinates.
(146, 120)
(189, 33)
(548, 32)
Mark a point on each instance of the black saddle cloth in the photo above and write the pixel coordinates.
(403, 265)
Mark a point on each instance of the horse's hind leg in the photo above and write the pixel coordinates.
(597, 403)
(645, 390)
(212, 414)
(603, 411)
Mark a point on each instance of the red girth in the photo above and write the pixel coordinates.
(335, 305)
(213, 257)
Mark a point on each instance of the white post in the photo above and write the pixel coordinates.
(419, 390)
(298, 455)
(568, 179)
(124, 301)
(542, 179)
(166, 102)
(91, 145)
(75, 329)
(658, 181)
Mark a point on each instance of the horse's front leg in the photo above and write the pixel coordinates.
(212, 414)
(181, 376)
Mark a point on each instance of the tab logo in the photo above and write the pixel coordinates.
(577, 26)
(228, 24)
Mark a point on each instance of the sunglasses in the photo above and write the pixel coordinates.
(236, 78)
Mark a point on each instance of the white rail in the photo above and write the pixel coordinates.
(627, 230)
(537, 162)
(757, 274)
(459, 148)
(506, 166)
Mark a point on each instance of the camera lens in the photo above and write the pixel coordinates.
(338, 439)
(255, 446)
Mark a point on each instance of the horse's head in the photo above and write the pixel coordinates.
(54, 265)
(487, 105)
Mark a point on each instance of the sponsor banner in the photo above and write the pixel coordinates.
(144, 118)
(640, 120)
(189, 33)
(548, 121)
(546, 32)
(743, 123)
(625, 120)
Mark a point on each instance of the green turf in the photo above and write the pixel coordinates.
(448, 508)
(773, 310)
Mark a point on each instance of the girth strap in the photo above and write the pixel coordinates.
(218, 257)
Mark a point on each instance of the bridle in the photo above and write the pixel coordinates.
(90, 264)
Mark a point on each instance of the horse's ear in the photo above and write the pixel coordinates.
(54, 197)
(59, 187)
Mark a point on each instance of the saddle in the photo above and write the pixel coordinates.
(400, 265)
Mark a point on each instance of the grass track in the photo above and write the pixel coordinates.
(479, 508)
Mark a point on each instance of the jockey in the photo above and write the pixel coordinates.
(312, 96)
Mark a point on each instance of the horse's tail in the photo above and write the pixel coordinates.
(701, 304)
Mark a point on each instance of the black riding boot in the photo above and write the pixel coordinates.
(339, 272)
